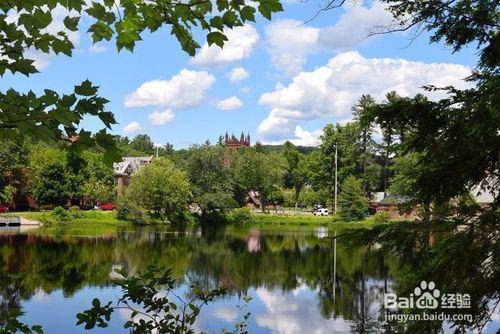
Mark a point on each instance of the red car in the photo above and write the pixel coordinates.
(3, 209)
(107, 206)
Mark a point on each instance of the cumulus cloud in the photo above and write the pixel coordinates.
(330, 91)
(289, 42)
(230, 103)
(161, 118)
(132, 127)
(238, 74)
(355, 25)
(183, 90)
(240, 44)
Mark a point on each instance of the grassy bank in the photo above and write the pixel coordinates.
(306, 220)
(48, 218)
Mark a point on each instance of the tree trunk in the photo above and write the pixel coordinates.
(426, 216)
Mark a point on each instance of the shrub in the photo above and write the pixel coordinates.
(353, 203)
(128, 210)
(60, 214)
(240, 216)
(381, 217)
(75, 212)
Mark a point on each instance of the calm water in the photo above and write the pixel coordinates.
(300, 281)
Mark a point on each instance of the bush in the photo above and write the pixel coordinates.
(75, 212)
(128, 210)
(381, 217)
(353, 204)
(240, 216)
(60, 214)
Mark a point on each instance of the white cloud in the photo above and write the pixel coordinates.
(183, 90)
(161, 118)
(230, 103)
(132, 127)
(355, 25)
(238, 74)
(240, 44)
(330, 91)
(289, 42)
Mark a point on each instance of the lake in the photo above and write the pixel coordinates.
(301, 280)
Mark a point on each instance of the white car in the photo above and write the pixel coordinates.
(321, 212)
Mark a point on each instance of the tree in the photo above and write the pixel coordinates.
(456, 138)
(370, 169)
(258, 171)
(296, 173)
(143, 144)
(52, 116)
(6, 194)
(99, 185)
(212, 183)
(407, 171)
(53, 187)
(353, 203)
(160, 189)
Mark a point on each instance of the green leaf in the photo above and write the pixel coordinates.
(216, 22)
(71, 23)
(216, 37)
(96, 303)
(97, 10)
(248, 13)
(86, 89)
(41, 19)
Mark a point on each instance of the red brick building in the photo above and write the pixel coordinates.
(232, 144)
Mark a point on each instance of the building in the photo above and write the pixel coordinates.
(128, 167)
(232, 144)
(390, 204)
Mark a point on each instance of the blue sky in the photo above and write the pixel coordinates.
(290, 79)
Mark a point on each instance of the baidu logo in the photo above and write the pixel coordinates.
(427, 296)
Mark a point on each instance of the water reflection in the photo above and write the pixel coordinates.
(301, 281)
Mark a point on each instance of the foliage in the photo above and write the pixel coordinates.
(52, 116)
(240, 216)
(381, 217)
(13, 326)
(149, 296)
(352, 201)
(211, 183)
(258, 171)
(60, 214)
(456, 138)
(296, 172)
(6, 194)
(53, 187)
(142, 143)
(160, 189)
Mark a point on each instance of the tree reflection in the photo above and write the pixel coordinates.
(460, 255)
(368, 263)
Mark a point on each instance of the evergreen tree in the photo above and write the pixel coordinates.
(353, 203)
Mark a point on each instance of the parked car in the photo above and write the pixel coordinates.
(321, 212)
(107, 206)
(4, 209)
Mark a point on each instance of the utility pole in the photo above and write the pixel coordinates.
(335, 196)
(156, 151)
